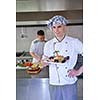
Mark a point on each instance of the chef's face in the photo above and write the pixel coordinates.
(59, 30)
(41, 38)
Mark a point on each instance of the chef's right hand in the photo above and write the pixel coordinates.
(44, 63)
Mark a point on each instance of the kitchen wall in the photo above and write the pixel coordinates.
(30, 34)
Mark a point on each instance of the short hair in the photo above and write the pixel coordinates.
(40, 32)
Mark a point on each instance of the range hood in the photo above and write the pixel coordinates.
(48, 5)
(39, 11)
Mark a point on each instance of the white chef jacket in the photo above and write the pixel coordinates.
(67, 47)
(37, 47)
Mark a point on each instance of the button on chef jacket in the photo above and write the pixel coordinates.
(67, 47)
(37, 47)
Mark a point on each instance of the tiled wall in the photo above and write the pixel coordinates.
(30, 32)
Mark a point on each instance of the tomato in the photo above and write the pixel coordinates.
(28, 64)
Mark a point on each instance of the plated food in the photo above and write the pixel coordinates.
(58, 59)
(35, 68)
(24, 64)
(31, 68)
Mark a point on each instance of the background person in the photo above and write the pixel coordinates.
(37, 46)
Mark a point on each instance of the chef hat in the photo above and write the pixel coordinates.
(57, 20)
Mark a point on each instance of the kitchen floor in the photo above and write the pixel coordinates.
(38, 89)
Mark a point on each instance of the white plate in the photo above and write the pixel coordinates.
(54, 62)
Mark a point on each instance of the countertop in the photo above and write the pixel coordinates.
(21, 73)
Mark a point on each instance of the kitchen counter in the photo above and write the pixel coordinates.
(32, 89)
(21, 73)
(36, 87)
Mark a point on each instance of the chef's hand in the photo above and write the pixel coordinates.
(73, 72)
(44, 64)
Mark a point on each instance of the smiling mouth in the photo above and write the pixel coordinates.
(57, 33)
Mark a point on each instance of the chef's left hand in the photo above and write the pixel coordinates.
(73, 73)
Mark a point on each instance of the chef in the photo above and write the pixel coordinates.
(37, 46)
(63, 76)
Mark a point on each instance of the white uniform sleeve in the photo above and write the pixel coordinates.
(78, 46)
(32, 47)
